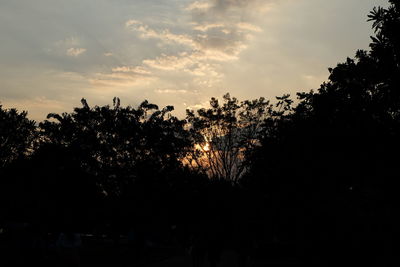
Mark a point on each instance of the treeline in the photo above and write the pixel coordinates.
(320, 173)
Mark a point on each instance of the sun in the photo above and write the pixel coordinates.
(206, 147)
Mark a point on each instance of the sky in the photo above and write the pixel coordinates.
(171, 52)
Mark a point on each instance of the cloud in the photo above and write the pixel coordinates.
(197, 106)
(171, 91)
(206, 27)
(221, 46)
(195, 64)
(226, 24)
(223, 6)
(165, 35)
(219, 33)
(137, 69)
(248, 26)
(70, 46)
(169, 63)
(123, 76)
(198, 5)
(215, 37)
(75, 52)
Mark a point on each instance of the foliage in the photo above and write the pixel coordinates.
(115, 143)
(328, 164)
(224, 134)
(17, 135)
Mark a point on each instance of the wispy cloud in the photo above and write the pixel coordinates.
(218, 32)
(170, 63)
(206, 27)
(222, 45)
(197, 106)
(75, 51)
(138, 70)
(245, 26)
(121, 77)
(171, 91)
(199, 5)
(210, 40)
(165, 35)
(70, 46)
(223, 6)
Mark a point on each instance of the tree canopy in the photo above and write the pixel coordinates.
(17, 135)
(224, 135)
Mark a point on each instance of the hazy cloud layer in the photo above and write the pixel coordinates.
(179, 52)
(217, 33)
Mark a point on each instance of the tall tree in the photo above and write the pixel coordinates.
(329, 166)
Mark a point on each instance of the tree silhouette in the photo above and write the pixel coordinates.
(17, 135)
(224, 134)
(114, 143)
(327, 166)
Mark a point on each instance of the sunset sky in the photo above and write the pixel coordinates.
(170, 52)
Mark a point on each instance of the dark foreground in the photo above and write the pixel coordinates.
(103, 251)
